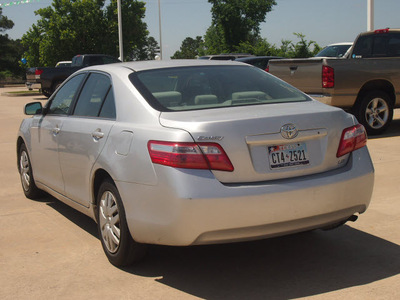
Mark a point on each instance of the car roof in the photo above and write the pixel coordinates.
(340, 44)
(161, 64)
(255, 58)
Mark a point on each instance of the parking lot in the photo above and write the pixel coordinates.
(50, 251)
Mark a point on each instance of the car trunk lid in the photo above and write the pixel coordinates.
(268, 142)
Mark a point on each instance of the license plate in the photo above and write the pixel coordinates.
(289, 155)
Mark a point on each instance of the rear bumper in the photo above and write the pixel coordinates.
(190, 207)
(338, 100)
(33, 85)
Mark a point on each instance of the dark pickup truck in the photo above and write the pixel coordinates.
(48, 79)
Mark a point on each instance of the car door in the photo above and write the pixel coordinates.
(44, 135)
(84, 135)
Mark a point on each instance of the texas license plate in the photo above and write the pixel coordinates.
(289, 155)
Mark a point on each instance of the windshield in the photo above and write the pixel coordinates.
(334, 51)
(191, 88)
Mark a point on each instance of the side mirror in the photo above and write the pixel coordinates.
(33, 108)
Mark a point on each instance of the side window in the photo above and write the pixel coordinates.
(61, 102)
(108, 109)
(92, 96)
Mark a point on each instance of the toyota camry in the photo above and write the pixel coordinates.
(193, 152)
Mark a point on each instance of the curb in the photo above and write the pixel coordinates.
(8, 94)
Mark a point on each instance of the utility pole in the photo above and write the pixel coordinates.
(121, 45)
(159, 28)
(370, 15)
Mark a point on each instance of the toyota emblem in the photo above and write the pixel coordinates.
(289, 131)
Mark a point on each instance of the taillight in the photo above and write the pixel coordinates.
(386, 30)
(38, 71)
(189, 155)
(353, 138)
(267, 69)
(328, 77)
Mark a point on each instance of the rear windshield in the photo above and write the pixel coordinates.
(192, 88)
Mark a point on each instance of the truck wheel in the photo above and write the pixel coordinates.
(118, 245)
(374, 111)
(46, 93)
(56, 85)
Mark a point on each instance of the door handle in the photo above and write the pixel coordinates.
(55, 130)
(97, 135)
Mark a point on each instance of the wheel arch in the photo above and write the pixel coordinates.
(99, 176)
(377, 85)
(20, 141)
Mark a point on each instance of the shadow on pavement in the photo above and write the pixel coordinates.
(79, 219)
(280, 268)
(392, 131)
(286, 267)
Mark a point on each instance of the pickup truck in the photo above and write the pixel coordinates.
(366, 82)
(48, 79)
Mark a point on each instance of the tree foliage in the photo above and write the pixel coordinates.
(239, 20)
(10, 51)
(190, 48)
(67, 28)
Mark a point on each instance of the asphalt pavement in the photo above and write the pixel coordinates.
(50, 251)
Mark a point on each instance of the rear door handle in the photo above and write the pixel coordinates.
(97, 135)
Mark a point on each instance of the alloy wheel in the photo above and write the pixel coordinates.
(377, 113)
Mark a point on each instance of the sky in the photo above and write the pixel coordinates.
(322, 21)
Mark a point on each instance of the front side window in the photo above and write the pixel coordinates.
(93, 94)
(191, 88)
(60, 104)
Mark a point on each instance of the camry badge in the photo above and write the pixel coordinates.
(289, 131)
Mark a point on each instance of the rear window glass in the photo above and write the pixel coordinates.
(377, 45)
(192, 88)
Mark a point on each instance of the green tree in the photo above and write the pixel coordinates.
(135, 34)
(303, 48)
(189, 49)
(10, 51)
(239, 20)
(148, 51)
(75, 27)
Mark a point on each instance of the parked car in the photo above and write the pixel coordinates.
(366, 82)
(338, 50)
(225, 56)
(258, 61)
(193, 152)
(48, 79)
(65, 63)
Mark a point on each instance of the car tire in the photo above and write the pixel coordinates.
(375, 112)
(46, 93)
(56, 86)
(117, 242)
(29, 187)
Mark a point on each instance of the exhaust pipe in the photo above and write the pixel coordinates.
(353, 218)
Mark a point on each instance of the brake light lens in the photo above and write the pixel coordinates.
(267, 69)
(38, 71)
(353, 138)
(386, 30)
(209, 156)
(328, 77)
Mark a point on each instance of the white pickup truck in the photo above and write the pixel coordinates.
(366, 82)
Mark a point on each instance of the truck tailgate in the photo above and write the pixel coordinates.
(304, 74)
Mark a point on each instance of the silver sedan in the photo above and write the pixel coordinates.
(193, 152)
